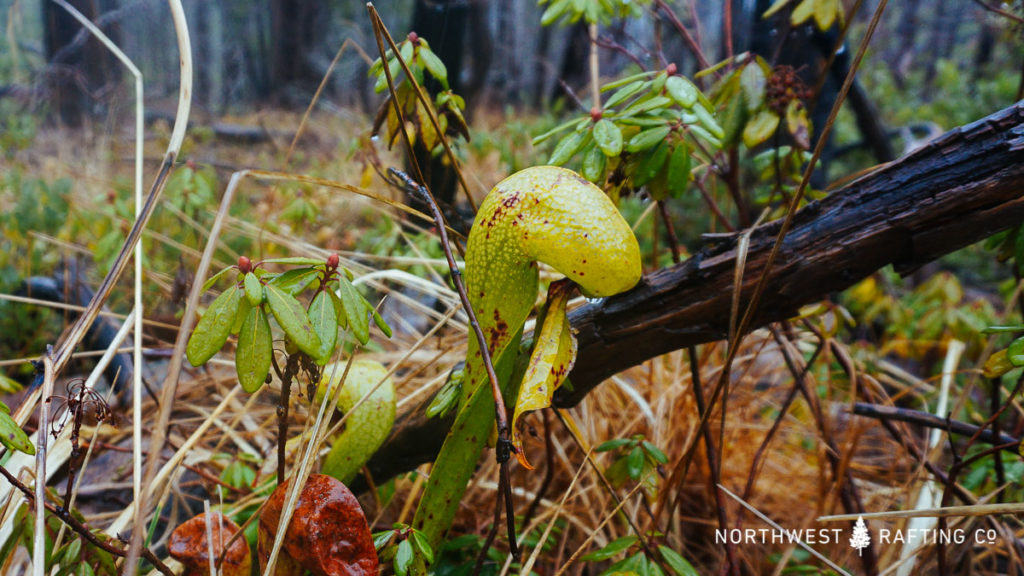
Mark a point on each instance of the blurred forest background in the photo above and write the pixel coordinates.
(256, 54)
(66, 134)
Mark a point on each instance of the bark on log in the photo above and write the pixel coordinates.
(959, 189)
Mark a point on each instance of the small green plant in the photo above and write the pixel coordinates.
(635, 459)
(406, 548)
(446, 106)
(645, 134)
(246, 306)
(634, 559)
(310, 332)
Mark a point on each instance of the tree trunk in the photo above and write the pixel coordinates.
(442, 23)
(80, 65)
(953, 192)
(296, 30)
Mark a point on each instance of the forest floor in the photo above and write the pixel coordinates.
(781, 440)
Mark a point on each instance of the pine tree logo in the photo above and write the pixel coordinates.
(861, 539)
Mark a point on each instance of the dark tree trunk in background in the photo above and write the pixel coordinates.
(481, 52)
(938, 37)
(904, 48)
(543, 66)
(296, 29)
(573, 69)
(984, 49)
(442, 23)
(80, 68)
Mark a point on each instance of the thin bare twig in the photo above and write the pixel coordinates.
(712, 453)
(1000, 11)
(928, 420)
(80, 528)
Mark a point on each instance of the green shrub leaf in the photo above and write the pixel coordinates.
(679, 170)
(611, 550)
(682, 91)
(292, 318)
(253, 289)
(677, 563)
(594, 162)
(760, 128)
(647, 139)
(566, 148)
(295, 280)
(324, 318)
(13, 437)
(213, 328)
(252, 359)
(355, 311)
(608, 137)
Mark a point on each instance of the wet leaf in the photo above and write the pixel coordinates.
(381, 324)
(608, 137)
(296, 280)
(594, 162)
(240, 314)
(355, 311)
(825, 12)
(567, 147)
(760, 128)
(213, 279)
(802, 12)
(647, 139)
(434, 65)
(635, 463)
(650, 165)
(553, 355)
(679, 565)
(213, 328)
(734, 118)
(682, 91)
(238, 474)
(421, 544)
(447, 397)
(798, 125)
(679, 170)
(339, 309)
(654, 452)
(189, 545)
(292, 318)
(707, 120)
(1015, 352)
(327, 535)
(611, 550)
(610, 445)
(253, 290)
(255, 345)
(13, 437)
(403, 558)
(752, 80)
(646, 105)
(324, 318)
(623, 93)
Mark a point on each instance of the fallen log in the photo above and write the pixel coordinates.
(959, 189)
